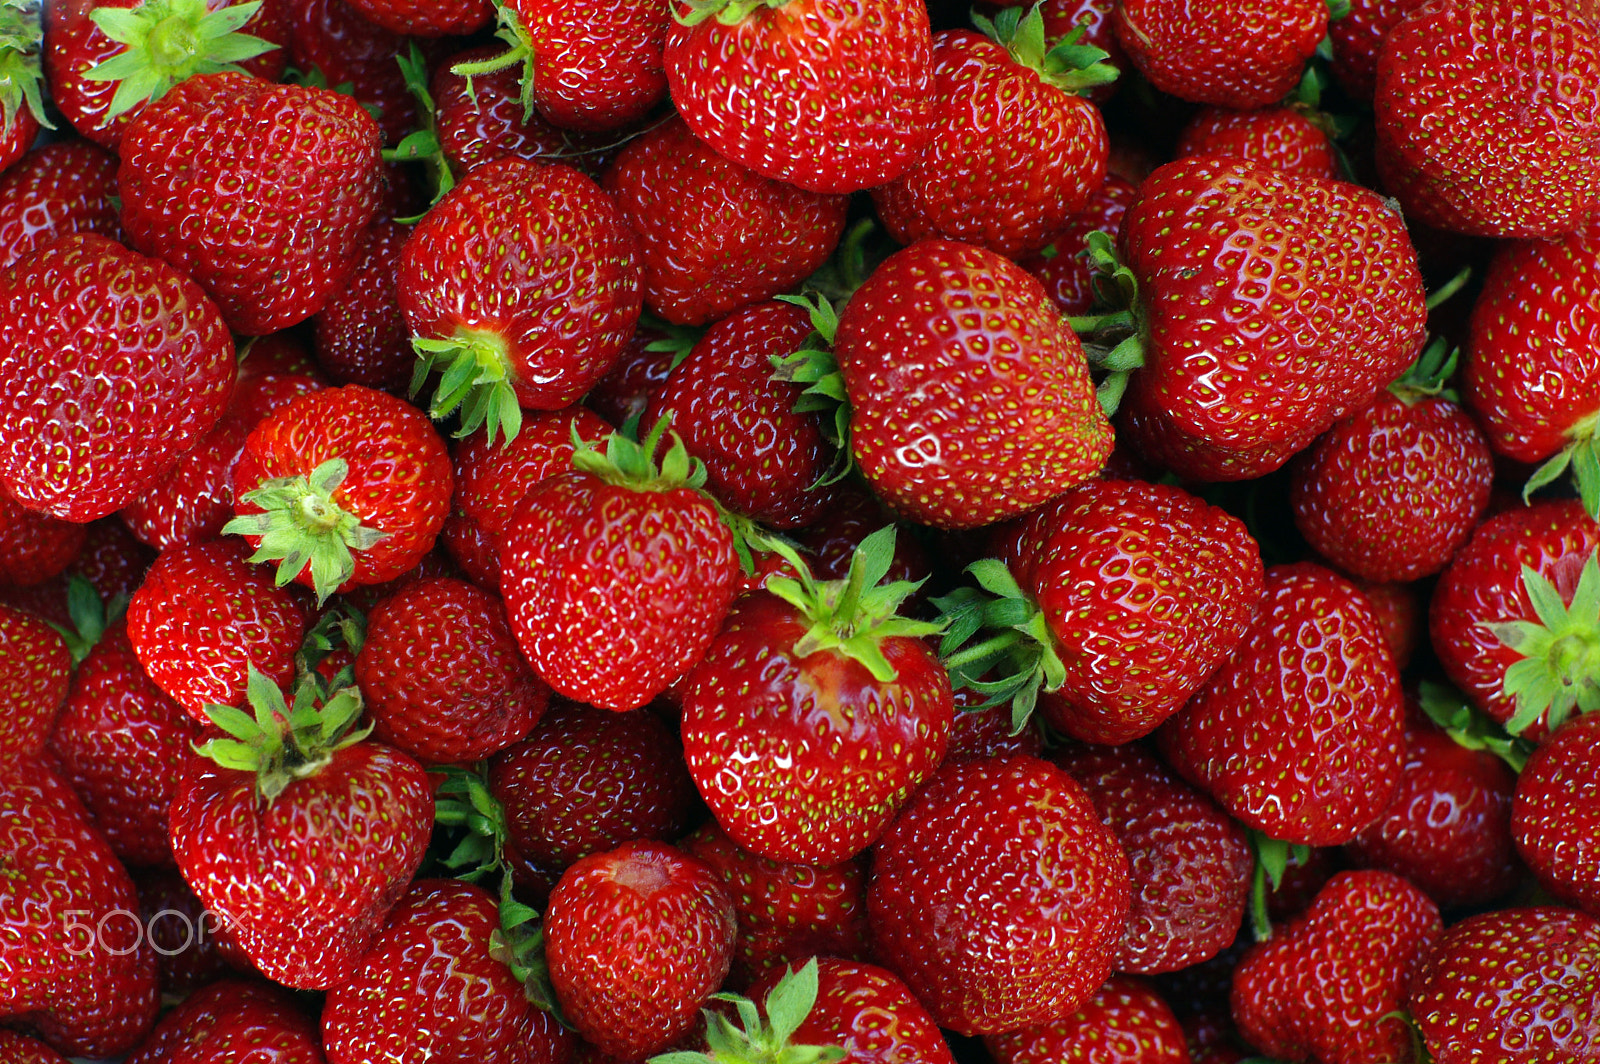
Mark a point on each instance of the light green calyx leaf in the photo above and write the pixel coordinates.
(1582, 458)
(727, 12)
(301, 524)
(632, 464)
(754, 1042)
(168, 41)
(519, 49)
(822, 389)
(1469, 728)
(1560, 668)
(475, 378)
(1068, 65)
(21, 44)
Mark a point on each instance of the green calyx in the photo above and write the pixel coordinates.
(755, 1041)
(21, 43)
(475, 378)
(816, 371)
(1429, 375)
(519, 50)
(422, 145)
(1582, 458)
(1068, 65)
(280, 743)
(1271, 862)
(1469, 728)
(630, 463)
(727, 12)
(1112, 342)
(90, 616)
(1560, 668)
(170, 40)
(1016, 650)
(301, 524)
(855, 615)
(518, 943)
(463, 801)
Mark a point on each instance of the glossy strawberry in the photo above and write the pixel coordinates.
(56, 189)
(1552, 816)
(1125, 1022)
(1281, 138)
(1243, 54)
(165, 346)
(35, 673)
(34, 547)
(427, 18)
(194, 501)
(1299, 733)
(981, 733)
(860, 72)
(330, 36)
(361, 336)
(998, 896)
(1436, 119)
(864, 1010)
(1060, 265)
(1357, 40)
(20, 1049)
(184, 936)
(232, 1019)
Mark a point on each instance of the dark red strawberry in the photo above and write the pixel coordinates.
(18, 1048)
(330, 37)
(184, 936)
(164, 344)
(645, 361)
(194, 501)
(361, 336)
(1437, 120)
(1357, 38)
(233, 1020)
(522, 285)
(1125, 1022)
(998, 896)
(427, 18)
(1553, 817)
(56, 189)
(979, 733)
(637, 939)
(1061, 266)
(34, 547)
(1281, 138)
(259, 192)
(1402, 615)
(35, 672)
(1328, 986)
(1242, 54)
(1299, 733)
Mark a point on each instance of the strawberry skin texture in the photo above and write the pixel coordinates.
(415, 979)
(232, 1020)
(56, 189)
(1270, 307)
(331, 36)
(596, 65)
(427, 18)
(195, 499)
(1532, 373)
(1554, 818)
(1358, 39)
(1518, 986)
(713, 235)
(805, 758)
(111, 365)
(259, 192)
(1241, 54)
(1323, 988)
(35, 547)
(1125, 1022)
(971, 400)
(20, 1049)
(860, 71)
(1277, 137)
(361, 336)
(1516, 81)
(306, 881)
(998, 896)
(1299, 733)
(537, 258)
(1011, 158)
(1483, 586)
(637, 938)
(35, 673)
(1068, 278)
(867, 1012)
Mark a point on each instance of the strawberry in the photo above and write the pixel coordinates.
(194, 501)
(1357, 39)
(979, 732)
(1533, 359)
(536, 334)
(1518, 985)
(231, 1020)
(34, 547)
(183, 935)
(343, 487)
(427, 18)
(440, 938)
(1064, 272)
(20, 1049)
(1125, 1022)
(1437, 120)
(859, 72)
(1243, 54)
(713, 235)
(169, 354)
(1401, 614)
(35, 673)
(297, 834)
(618, 574)
(941, 330)
(1514, 618)
(816, 712)
(1299, 733)
(1342, 314)
(56, 189)
(1281, 138)
(1326, 987)
(441, 674)
(329, 37)
(1553, 812)
(636, 939)
(998, 896)
(297, 169)
(1015, 152)
(21, 108)
(360, 334)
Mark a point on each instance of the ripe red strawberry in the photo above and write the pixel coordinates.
(522, 285)
(1243, 54)
(979, 733)
(330, 36)
(1518, 985)
(441, 674)
(1299, 733)
(298, 835)
(1357, 39)
(816, 712)
(343, 487)
(297, 169)
(438, 941)
(1015, 152)
(21, 106)
(1281, 138)
(232, 1020)
(183, 935)
(20, 1049)
(1401, 614)
(636, 939)
(70, 969)
(65, 187)
(998, 896)
(713, 235)
(859, 72)
(1436, 120)
(941, 330)
(1190, 864)
(1553, 814)
(1510, 623)
(1276, 306)
(34, 547)
(361, 336)
(1124, 1022)
(35, 672)
(1060, 266)
(194, 501)
(1325, 987)
(618, 574)
(165, 346)
(1533, 359)
(427, 18)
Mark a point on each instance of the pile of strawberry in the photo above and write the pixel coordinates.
(764, 531)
